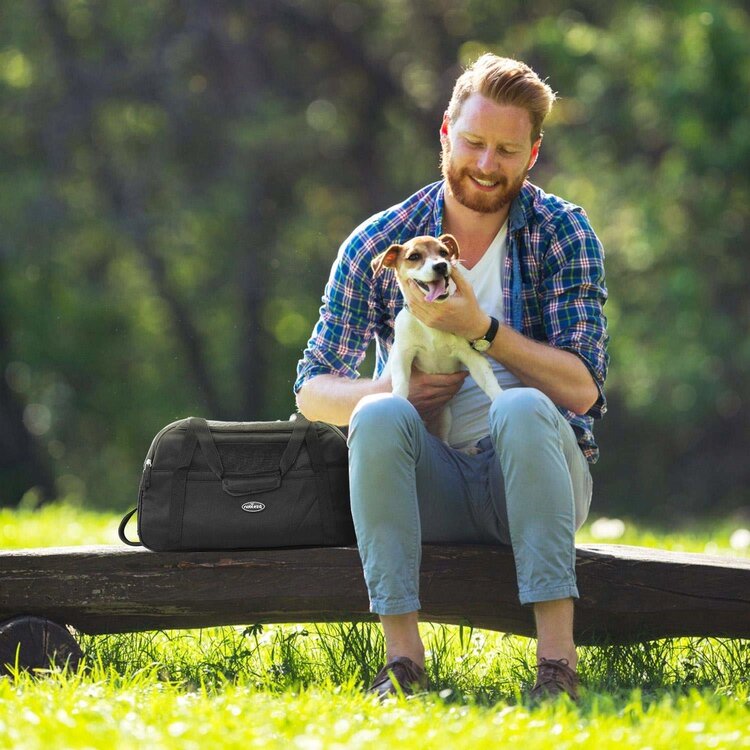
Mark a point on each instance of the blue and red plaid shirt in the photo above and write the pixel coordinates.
(552, 251)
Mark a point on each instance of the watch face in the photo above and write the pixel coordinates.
(480, 345)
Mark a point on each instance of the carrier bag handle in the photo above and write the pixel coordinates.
(206, 441)
(239, 486)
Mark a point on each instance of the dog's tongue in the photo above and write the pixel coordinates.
(436, 289)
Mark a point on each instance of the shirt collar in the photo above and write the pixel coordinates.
(517, 214)
(436, 218)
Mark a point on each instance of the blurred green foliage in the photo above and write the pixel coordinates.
(177, 177)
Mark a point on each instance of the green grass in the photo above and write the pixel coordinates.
(465, 666)
(98, 712)
(56, 525)
(299, 686)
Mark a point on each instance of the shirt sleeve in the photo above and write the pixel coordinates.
(347, 316)
(573, 297)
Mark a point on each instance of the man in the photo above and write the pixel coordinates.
(534, 307)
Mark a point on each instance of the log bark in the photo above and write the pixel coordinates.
(627, 593)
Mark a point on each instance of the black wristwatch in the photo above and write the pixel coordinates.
(483, 344)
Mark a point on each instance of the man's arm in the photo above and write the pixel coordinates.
(558, 373)
(332, 398)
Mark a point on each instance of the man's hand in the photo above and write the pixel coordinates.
(430, 393)
(459, 314)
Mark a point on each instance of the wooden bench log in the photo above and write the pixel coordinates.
(627, 593)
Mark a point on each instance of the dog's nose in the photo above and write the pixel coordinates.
(441, 268)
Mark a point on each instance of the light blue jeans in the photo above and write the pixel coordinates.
(529, 487)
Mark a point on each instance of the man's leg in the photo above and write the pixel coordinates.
(402, 637)
(554, 631)
(406, 486)
(547, 491)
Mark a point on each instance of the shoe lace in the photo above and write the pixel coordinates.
(557, 672)
(404, 671)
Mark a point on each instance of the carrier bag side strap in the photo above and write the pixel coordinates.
(324, 486)
(121, 530)
(208, 447)
(301, 428)
(179, 484)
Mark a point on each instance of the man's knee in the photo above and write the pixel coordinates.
(382, 416)
(522, 409)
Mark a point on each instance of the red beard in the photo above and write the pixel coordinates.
(485, 203)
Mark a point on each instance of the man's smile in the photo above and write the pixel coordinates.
(485, 184)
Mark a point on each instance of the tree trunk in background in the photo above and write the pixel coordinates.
(21, 464)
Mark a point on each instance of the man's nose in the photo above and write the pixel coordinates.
(486, 161)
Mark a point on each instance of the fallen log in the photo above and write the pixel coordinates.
(627, 593)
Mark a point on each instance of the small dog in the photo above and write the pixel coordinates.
(429, 262)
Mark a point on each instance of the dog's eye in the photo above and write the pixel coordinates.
(444, 253)
(413, 256)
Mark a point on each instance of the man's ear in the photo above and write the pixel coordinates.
(386, 259)
(444, 126)
(452, 244)
(535, 151)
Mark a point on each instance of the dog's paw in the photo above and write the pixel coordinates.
(471, 450)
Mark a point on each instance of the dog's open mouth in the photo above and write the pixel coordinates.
(434, 290)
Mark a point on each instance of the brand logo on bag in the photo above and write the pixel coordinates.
(253, 507)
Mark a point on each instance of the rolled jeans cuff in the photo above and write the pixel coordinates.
(533, 596)
(394, 606)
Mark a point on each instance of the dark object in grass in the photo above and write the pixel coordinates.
(32, 643)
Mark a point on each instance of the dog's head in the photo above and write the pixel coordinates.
(426, 260)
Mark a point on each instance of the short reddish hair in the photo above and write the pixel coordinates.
(505, 81)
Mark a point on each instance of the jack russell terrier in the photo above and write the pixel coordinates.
(429, 261)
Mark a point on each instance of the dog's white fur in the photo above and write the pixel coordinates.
(429, 262)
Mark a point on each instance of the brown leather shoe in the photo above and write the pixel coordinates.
(401, 671)
(554, 677)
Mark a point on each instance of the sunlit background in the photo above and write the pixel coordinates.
(177, 178)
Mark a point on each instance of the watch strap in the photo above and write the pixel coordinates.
(489, 337)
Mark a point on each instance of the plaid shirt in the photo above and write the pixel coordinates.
(559, 299)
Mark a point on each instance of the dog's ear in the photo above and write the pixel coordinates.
(386, 259)
(451, 243)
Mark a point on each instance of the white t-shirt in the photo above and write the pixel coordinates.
(470, 406)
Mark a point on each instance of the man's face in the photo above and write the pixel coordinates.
(487, 153)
